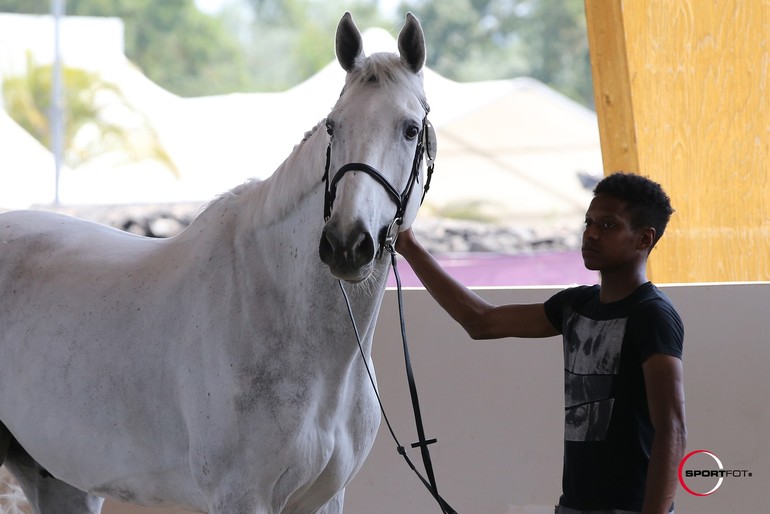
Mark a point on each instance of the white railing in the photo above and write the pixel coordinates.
(496, 406)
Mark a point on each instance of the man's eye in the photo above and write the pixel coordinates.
(609, 224)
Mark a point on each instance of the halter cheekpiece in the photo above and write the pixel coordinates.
(426, 145)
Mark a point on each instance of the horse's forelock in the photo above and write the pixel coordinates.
(385, 68)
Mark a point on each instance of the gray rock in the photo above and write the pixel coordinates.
(440, 236)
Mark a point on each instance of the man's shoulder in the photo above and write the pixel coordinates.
(561, 305)
(656, 318)
(650, 300)
(577, 293)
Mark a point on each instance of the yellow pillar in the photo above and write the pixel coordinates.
(681, 90)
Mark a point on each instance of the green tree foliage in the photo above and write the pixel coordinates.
(467, 40)
(492, 39)
(97, 118)
(183, 50)
(25, 6)
(288, 41)
(271, 45)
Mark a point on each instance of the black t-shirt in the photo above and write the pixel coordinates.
(607, 428)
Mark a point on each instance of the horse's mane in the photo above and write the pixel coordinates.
(265, 201)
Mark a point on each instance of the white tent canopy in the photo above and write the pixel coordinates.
(27, 173)
(514, 147)
(520, 155)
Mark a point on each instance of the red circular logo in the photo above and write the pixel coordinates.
(689, 473)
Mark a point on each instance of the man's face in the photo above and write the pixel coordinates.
(609, 242)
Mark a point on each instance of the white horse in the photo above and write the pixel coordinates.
(216, 370)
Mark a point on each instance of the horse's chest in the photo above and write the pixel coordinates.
(307, 407)
(302, 439)
(329, 453)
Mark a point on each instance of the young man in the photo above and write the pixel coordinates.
(624, 430)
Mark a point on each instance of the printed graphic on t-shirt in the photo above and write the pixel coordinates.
(591, 361)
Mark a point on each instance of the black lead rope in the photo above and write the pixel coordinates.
(430, 482)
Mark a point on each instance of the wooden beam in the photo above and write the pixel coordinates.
(682, 97)
(612, 85)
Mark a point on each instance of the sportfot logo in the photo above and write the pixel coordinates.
(702, 473)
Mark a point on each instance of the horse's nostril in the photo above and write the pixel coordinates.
(346, 250)
(364, 249)
(326, 247)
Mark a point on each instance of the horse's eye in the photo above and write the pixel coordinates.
(412, 132)
(329, 127)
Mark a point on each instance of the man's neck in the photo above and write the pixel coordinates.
(617, 285)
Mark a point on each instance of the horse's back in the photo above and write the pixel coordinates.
(23, 233)
(42, 249)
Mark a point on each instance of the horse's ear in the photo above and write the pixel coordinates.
(411, 44)
(348, 43)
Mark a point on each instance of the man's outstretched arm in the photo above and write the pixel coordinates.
(478, 317)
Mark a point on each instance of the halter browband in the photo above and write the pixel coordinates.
(401, 199)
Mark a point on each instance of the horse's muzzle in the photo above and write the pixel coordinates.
(348, 253)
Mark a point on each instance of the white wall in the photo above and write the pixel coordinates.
(496, 407)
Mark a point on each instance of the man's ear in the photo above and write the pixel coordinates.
(647, 238)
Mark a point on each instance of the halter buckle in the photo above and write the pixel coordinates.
(391, 235)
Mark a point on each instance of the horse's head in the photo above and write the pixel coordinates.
(378, 131)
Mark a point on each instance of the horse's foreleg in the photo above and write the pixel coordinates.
(5, 442)
(241, 505)
(334, 506)
(47, 494)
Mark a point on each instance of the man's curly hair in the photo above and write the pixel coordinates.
(648, 205)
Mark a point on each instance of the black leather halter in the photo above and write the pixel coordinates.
(426, 145)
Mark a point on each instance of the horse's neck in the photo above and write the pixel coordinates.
(276, 227)
(291, 246)
(292, 241)
(287, 209)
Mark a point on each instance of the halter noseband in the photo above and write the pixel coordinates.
(425, 145)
